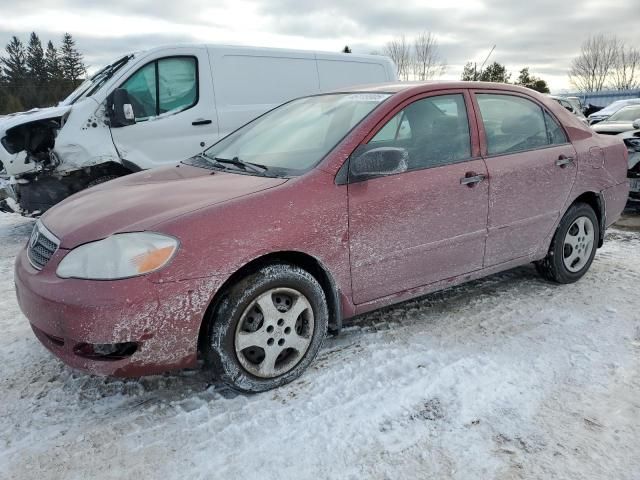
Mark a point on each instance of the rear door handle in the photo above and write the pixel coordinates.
(201, 121)
(471, 179)
(563, 161)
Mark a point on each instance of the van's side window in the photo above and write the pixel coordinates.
(141, 88)
(165, 85)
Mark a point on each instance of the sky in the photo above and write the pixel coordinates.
(542, 34)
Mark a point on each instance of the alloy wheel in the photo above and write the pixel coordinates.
(578, 244)
(274, 332)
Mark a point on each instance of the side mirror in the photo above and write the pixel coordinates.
(636, 124)
(120, 109)
(377, 162)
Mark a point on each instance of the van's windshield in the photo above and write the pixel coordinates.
(294, 137)
(93, 84)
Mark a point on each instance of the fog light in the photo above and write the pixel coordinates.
(105, 351)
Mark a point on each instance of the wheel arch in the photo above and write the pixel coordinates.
(300, 259)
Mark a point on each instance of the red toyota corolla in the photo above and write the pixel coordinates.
(326, 207)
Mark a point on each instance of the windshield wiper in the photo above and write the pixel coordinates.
(106, 73)
(236, 162)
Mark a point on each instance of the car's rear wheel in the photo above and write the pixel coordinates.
(573, 246)
(267, 328)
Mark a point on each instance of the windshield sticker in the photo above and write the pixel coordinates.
(367, 97)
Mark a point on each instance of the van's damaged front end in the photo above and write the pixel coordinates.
(48, 154)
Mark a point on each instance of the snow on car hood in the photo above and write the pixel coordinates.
(19, 118)
(140, 201)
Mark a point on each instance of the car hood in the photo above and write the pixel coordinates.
(140, 201)
(19, 118)
(616, 127)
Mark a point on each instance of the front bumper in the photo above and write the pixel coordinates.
(162, 319)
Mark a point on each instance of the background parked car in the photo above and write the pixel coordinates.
(160, 106)
(573, 106)
(619, 122)
(632, 141)
(610, 109)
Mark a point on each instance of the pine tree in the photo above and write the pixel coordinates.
(52, 63)
(36, 65)
(15, 64)
(71, 60)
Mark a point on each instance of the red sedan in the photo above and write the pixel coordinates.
(326, 207)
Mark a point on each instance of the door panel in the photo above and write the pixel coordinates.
(527, 189)
(173, 135)
(423, 225)
(415, 228)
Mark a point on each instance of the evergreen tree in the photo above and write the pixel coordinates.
(71, 60)
(496, 72)
(470, 73)
(527, 80)
(14, 64)
(52, 63)
(36, 65)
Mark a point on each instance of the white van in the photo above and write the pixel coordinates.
(159, 107)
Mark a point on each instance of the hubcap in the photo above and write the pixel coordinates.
(274, 332)
(578, 244)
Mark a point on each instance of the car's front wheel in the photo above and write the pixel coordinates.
(573, 246)
(267, 328)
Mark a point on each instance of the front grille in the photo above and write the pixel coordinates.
(42, 246)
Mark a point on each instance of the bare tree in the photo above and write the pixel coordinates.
(626, 71)
(591, 69)
(427, 62)
(400, 52)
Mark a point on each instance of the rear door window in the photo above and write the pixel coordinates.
(512, 124)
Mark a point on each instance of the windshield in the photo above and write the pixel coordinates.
(627, 114)
(92, 84)
(294, 137)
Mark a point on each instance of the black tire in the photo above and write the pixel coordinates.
(553, 267)
(220, 349)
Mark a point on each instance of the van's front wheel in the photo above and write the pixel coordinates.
(268, 328)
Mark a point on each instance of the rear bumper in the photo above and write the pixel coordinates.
(163, 320)
(615, 199)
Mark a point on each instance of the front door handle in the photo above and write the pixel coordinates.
(471, 179)
(202, 121)
(563, 161)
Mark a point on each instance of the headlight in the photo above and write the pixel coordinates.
(119, 256)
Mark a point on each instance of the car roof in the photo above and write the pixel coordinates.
(420, 87)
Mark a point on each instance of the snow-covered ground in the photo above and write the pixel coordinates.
(507, 377)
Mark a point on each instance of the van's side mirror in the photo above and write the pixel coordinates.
(120, 109)
(636, 124)
(377, 162)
